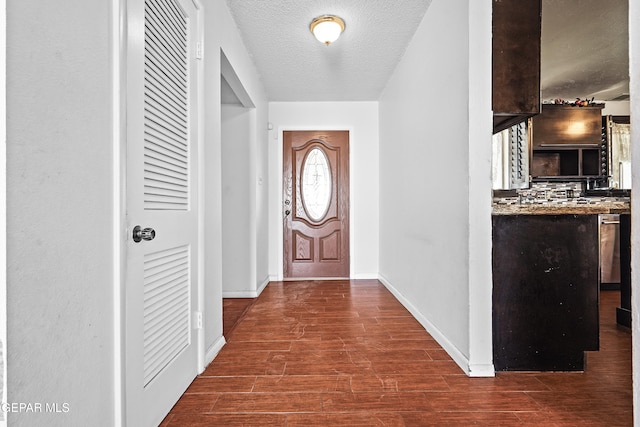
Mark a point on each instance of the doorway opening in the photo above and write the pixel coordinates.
(518, 181)
(238, 236)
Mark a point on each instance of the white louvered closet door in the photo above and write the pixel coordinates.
(162, 149)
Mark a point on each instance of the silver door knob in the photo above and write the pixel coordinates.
(140, 233)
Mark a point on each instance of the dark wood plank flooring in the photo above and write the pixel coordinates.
(233, 310)
(347, 353)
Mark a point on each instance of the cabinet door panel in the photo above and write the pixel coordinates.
(516, 59)
(560, 125)
(545, 291)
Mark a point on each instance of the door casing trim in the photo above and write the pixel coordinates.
(118, 86)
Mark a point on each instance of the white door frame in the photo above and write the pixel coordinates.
(199, 303)
(119, 131)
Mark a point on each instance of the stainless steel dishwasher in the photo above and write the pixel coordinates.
(610, 251)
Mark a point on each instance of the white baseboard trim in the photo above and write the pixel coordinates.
(365, 276)
(246, 294)
(481, 370)
(239, 294)
(263, 285)
(448, 346)
(213, 351)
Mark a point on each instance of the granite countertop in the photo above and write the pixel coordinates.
(573, 208)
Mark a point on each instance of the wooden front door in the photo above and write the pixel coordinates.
(316, 204)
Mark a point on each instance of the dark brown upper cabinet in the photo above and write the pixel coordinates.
(516, 61)
(568, 141)
(564, 124)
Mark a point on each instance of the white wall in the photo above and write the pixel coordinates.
(221, 34)
(480, 361)
(616, 108)
(634, 72)
(361, 120)
(262, 184)
(60, 215)
(63, 210)
(3, 212)
(434, 219)
(238, 234)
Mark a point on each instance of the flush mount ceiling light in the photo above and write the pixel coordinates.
(327, 28)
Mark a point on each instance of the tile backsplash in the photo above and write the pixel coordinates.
(551, 193)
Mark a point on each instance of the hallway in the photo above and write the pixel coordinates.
(347, 353)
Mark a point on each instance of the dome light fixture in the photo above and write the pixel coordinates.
(327, 28)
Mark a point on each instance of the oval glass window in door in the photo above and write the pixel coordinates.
(316, 184)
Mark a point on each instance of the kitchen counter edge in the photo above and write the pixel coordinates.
(532, 209)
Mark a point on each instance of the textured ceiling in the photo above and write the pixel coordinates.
(294, 66)
(584, 47)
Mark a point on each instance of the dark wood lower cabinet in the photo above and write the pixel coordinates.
(623, 313)
(545, 291)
